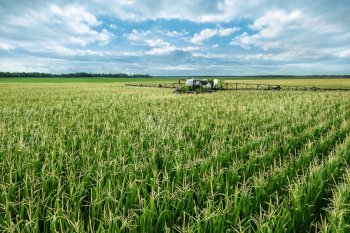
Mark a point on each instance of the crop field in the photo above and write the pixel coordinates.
(100, 157)
(329, 83)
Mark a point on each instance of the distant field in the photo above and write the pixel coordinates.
(94, 156)
(82, 80)
(332, 83)
(321, 82)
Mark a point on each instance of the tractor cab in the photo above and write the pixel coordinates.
(194, 83)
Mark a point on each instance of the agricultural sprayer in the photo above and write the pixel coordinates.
(195, 85)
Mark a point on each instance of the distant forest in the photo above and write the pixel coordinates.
(69, 75)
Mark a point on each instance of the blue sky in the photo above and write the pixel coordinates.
(197, 37)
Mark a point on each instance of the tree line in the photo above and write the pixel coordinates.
(69, 75)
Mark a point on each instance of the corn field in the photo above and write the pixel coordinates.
(105, 158)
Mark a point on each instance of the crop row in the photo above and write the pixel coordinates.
(103, 158)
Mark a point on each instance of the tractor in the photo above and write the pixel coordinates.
(193, 85)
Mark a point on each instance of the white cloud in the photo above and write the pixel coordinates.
(243, 40)
(291, 36)
(76, 16)
(57, 50)
(210, 55)
(6, 46)
(78, 40)
(157, 43)
(162, 50)
(81, 35)
(196, 10)
(161, 47)
(227, 31)
(272, 28)
(277, 29)
(81, 23)
(169, 49)
(104, 37)
(284, 56)
(203, 35)
(113, 26)
(178, 68)
(65, 25)
(157, 46)
(174, 34)
(137, 35)
(344, 53)
(276, 18)
(208, 33)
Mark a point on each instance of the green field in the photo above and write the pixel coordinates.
(297, 81)
(94, 156)
(83, 80)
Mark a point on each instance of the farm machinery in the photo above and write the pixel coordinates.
(193, 85)
(196, 85)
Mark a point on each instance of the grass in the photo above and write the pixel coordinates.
(97, 157)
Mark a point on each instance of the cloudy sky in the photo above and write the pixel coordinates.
(182, 37)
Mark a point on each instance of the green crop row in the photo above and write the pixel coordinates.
(106, 158)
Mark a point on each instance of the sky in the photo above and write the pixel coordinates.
(182, 37)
